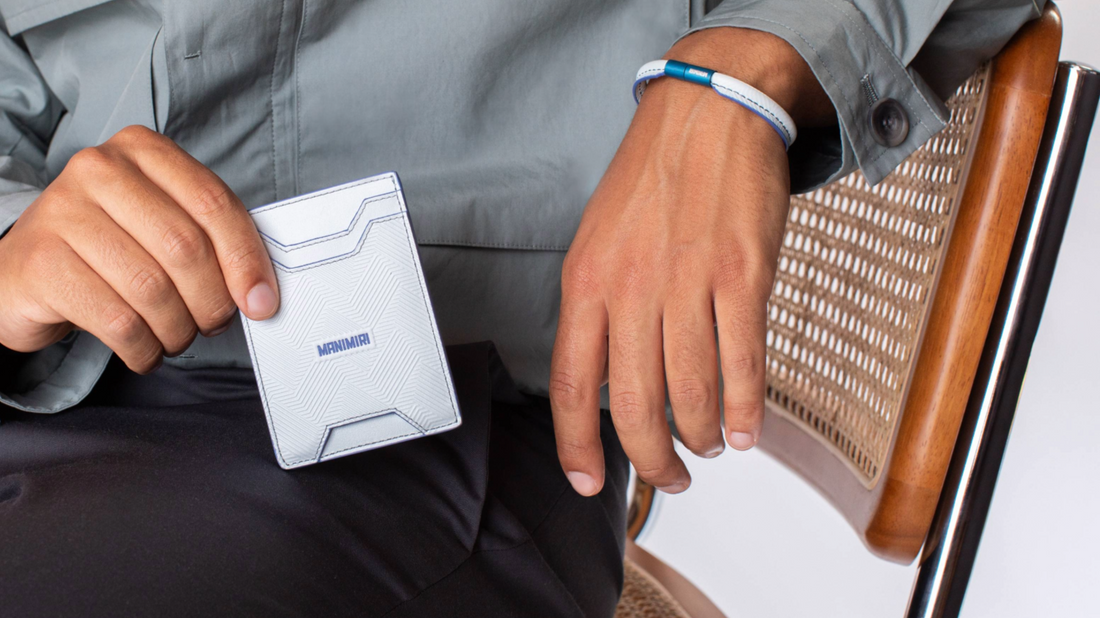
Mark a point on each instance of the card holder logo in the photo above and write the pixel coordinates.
(356, 342)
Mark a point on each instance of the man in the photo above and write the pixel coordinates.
(137, 132)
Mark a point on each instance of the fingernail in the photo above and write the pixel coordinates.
(218, 331)
(714, 452)
(742, 441)
(675, 488)
(261, 301)
(584, 485)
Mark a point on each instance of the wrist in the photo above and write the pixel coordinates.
(763, 61)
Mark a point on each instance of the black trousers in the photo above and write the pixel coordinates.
(160, 496)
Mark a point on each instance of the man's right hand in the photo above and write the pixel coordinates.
(137, 243)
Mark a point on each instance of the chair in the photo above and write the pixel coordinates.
(903, 317)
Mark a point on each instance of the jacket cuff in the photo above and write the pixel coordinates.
(53, 379)
(13, 205)
(57, 377)
(856, 69)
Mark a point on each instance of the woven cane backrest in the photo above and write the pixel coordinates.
(856, 277)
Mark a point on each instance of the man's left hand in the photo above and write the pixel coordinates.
(681, 236)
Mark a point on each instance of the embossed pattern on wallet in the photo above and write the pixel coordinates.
(352, 360)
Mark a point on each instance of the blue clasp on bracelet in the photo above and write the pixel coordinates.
(688, 72)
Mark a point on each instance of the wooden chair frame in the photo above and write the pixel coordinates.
(938, 482)
(893, 516)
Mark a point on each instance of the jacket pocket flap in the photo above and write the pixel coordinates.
(327, 225)
(22, 15)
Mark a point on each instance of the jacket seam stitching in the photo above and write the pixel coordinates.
(271, 96)
(298, 97)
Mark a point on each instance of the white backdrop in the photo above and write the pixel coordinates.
(760, 543)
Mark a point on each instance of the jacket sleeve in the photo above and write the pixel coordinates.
(61, 375)
(915, 52)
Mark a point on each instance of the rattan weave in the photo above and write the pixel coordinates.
(644, 597)
(855, 281)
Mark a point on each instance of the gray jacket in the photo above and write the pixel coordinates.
(499, 115)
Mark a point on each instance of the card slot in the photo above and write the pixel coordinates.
(391, 425)
(327, 254)
(358, 213)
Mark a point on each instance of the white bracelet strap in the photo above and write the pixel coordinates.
(729, 87)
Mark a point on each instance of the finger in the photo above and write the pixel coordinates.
(742, 321)
(636, 386)
(77, 294)
(576, 375)
(691, 369)
(164, 230)
(121, 262)
(248, 271)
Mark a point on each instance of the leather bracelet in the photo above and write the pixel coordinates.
(729, 87)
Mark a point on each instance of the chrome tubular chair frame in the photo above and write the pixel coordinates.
(947, 557)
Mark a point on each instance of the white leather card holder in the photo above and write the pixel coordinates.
(352, 360)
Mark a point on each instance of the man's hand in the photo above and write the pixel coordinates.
(138, 244)
(681, 235)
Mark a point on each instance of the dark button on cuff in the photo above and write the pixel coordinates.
(889, 122)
